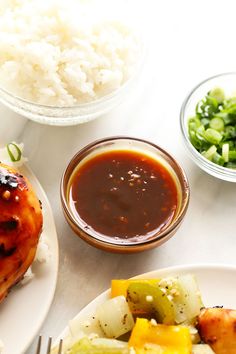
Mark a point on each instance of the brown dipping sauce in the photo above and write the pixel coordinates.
(124, 195)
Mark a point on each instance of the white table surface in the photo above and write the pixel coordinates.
(188, 42)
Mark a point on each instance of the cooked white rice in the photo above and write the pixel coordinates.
(43, 255)
(62, 53)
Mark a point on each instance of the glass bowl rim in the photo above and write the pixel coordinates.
(220, 171)
(185, 191)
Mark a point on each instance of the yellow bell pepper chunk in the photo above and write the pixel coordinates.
(119, 286)
(148, 338)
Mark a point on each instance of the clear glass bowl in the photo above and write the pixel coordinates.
(133, 144)
(227, 82)
(81, 113)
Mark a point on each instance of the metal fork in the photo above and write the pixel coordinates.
(49, 346)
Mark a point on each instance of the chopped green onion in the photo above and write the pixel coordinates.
(218, 94)
(201, 130)
(230, 104)
(194, 123)
(217, 124)
(227, 118)
(225, 152)
(210, 152)
(205, 122)
(207, 107)
(212, 131)
(194, 140)
(229, 132)
(14, 152)
(213, 136)
(223, 141)
(232, 155)
(218, 159)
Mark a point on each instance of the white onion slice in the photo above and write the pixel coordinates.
(115, 317)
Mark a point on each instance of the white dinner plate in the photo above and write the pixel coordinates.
(24, 310)
(216, 283)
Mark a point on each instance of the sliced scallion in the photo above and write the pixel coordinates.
(212, 136)
(218, 94)
(218, 159)
(217, 123)
(232, 155)
(213, 130)
(14, 152)
(210, 152)
(225, 152)
(205, 122)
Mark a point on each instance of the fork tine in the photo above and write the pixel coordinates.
(39, 345)
(60, 347)
(49, 345)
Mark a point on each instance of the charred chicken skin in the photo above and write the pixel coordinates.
(20, 227)
(217, 327)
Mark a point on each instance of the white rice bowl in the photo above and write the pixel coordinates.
(63, 53)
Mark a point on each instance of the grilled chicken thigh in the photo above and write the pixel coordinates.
(217, 327)
(20, 227)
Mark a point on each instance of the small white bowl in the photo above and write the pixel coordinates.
(227, 82)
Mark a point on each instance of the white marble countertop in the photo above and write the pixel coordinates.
(190, 41)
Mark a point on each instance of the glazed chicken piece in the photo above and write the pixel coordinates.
(217, 327)
(20, 227)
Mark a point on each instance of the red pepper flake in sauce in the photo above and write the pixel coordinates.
(123, 194)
